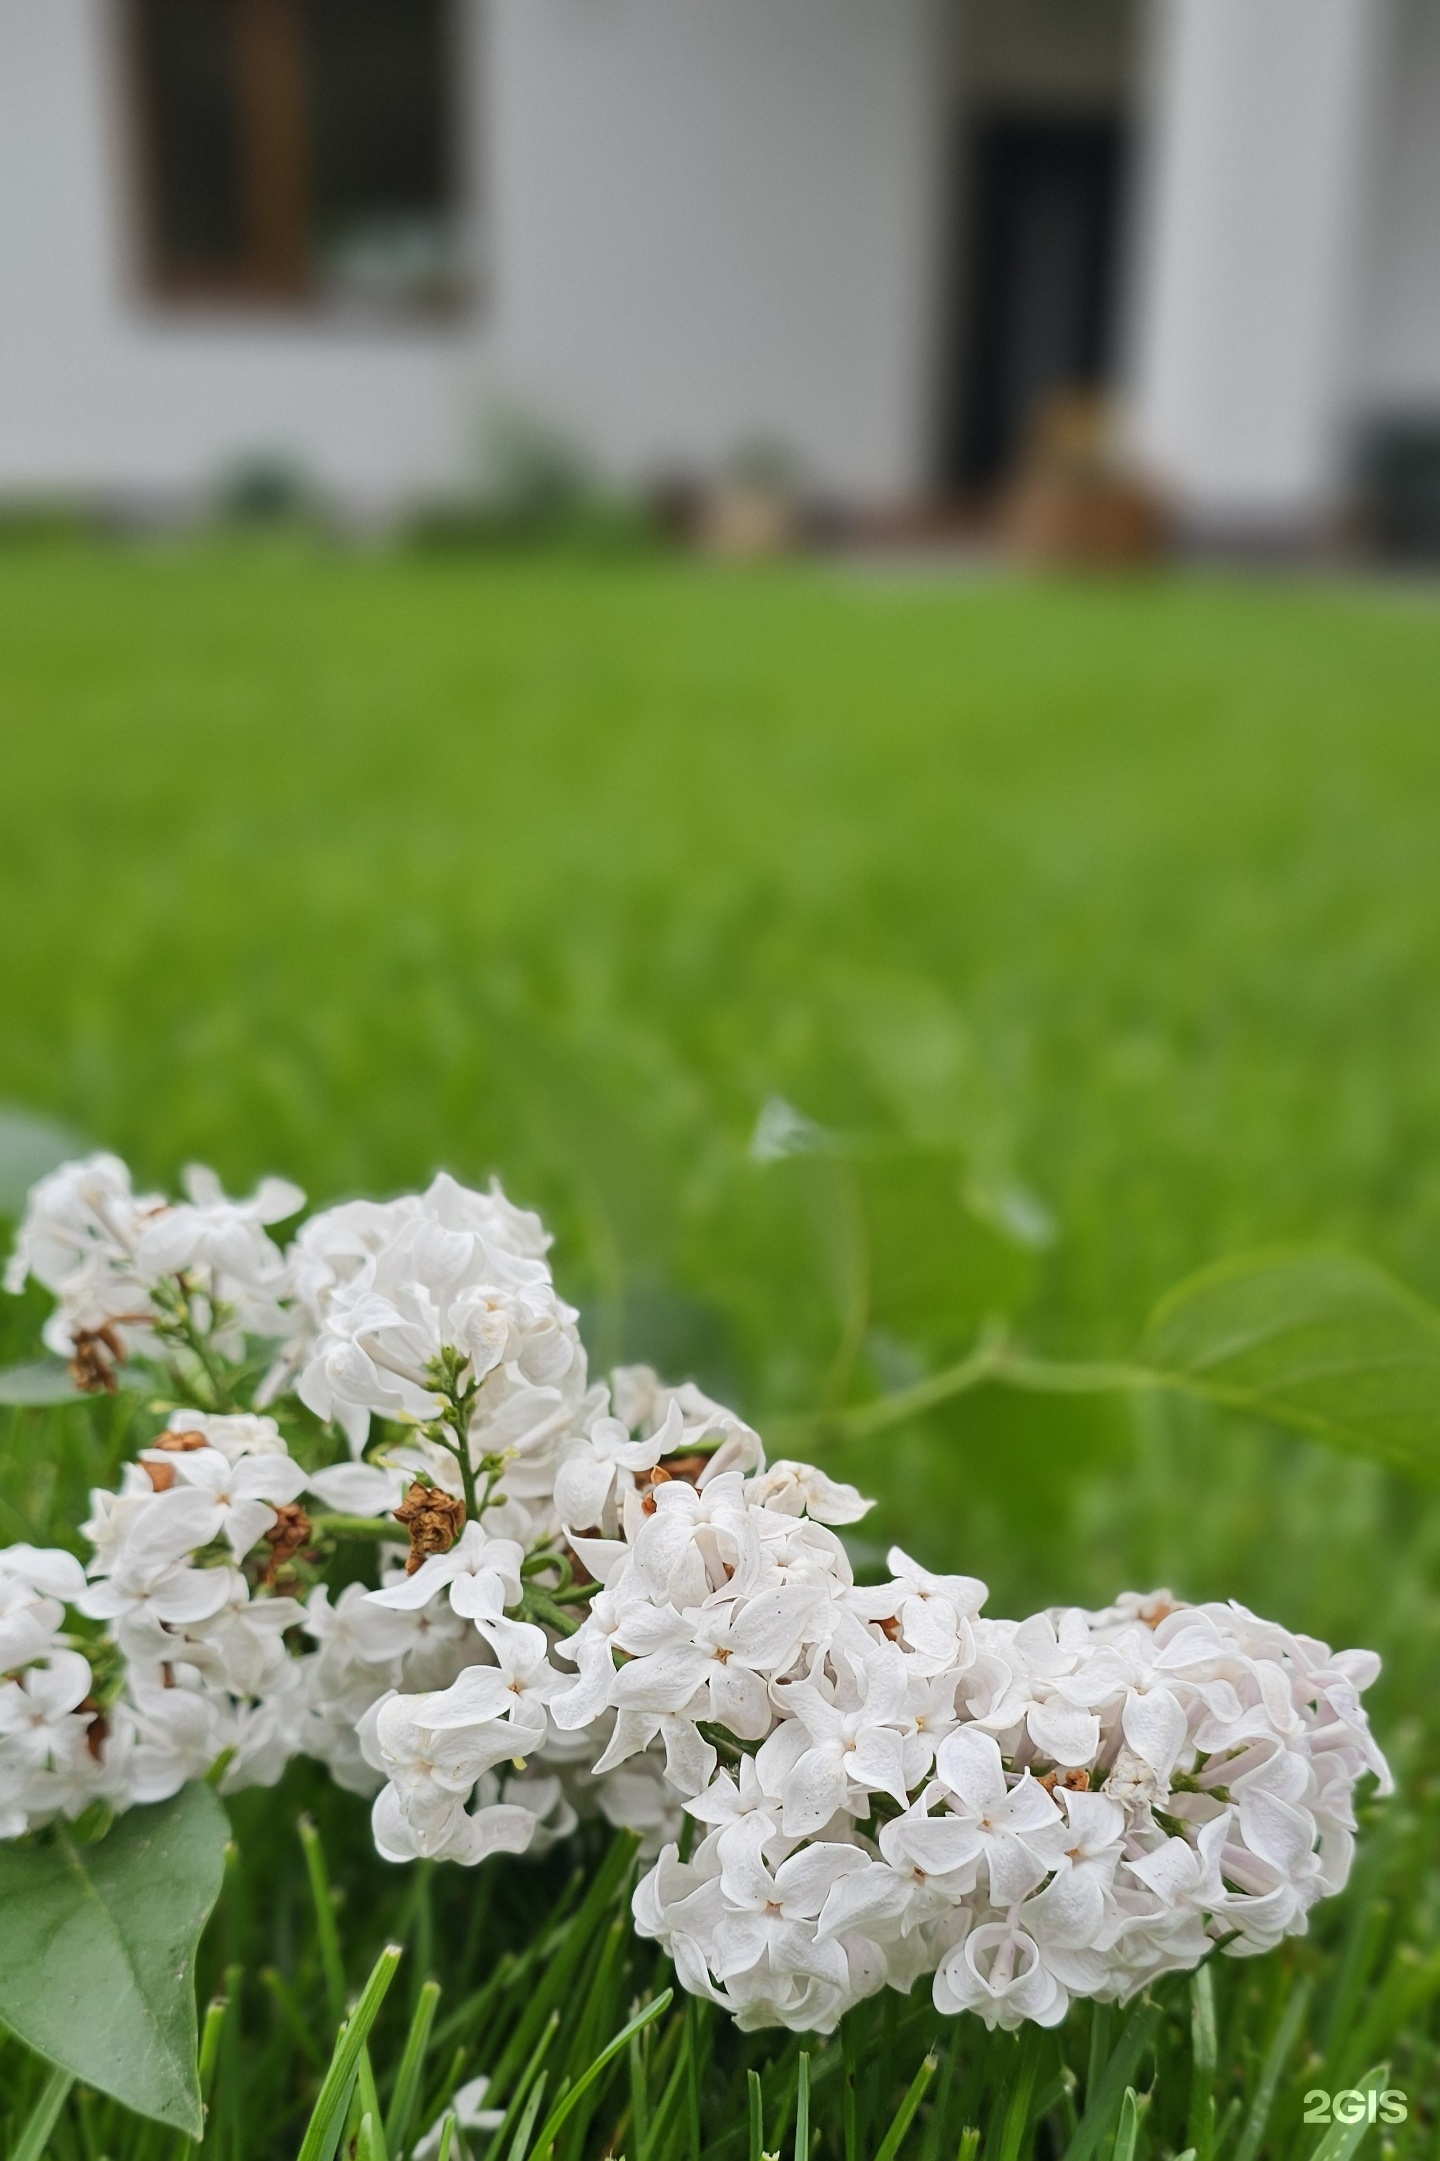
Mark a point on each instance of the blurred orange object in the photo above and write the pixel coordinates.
(1073, 501)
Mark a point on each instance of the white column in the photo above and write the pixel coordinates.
(1259, 125)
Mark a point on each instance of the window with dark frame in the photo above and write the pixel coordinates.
(297, 150)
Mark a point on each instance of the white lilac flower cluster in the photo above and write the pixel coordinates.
(559, 1597)
(114, 1258)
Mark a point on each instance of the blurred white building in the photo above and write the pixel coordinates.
(871, 233)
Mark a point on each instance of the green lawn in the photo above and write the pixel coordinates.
(1100, 924)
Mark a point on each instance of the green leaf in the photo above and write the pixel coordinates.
(29, 1147)
(1321, 1341)
(39, 1382)
(97, 1949)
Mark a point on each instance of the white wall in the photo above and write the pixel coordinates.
(1261, 118)
(714, 223)
(704, 222)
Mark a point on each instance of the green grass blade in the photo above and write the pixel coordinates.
(1276, 2057)
(802, 2107)
(1396, 2004)
(519, 2145)
(601, 1986)
(292, 2017)
(370, 2105)
(223, 2123)
(43, 2117)
(851, 2101)
(1103, 2102)
(475, 2005)
(691, 2046)
(517, 2100)
(1364, 1940)
(1101, 2016)
(904, 2115)
(587, 2078)
(209, 2062)
(210, 2043)
(1341, 2140)
(1124, 2147)
(327, 1935)
(1229, 2117)
(756, 2115)
(611, 1874)
(669, 2096)
(406, 2091)
(1204, 2054)
(1017, 2115)
(640, 2092)
(327, 2119)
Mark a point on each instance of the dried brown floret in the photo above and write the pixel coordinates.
(687, 1467)
(97, 1732)
(434, 1520)
(289, 1534)
(94, 1355)
(1073, 1781)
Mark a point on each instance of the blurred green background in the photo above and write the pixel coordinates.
(1095, 926)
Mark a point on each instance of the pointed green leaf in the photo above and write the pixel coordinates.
(97, 1951)
(39, 1382)
(30, 1145)
(1317, 1340)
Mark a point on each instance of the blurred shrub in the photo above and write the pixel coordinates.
(268, 489)
(30, 520)
(535, 488)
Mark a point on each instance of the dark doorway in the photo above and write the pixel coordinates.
(1039, 210)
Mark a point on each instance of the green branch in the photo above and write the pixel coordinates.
(380, 1527)
(1320, 1342)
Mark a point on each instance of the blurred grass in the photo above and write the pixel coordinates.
(1098, 923)
(1106, 909)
